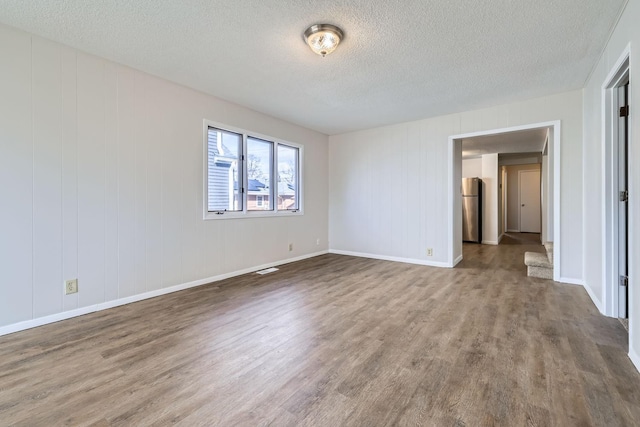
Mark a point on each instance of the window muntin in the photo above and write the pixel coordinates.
(288, 179)
(224, 175)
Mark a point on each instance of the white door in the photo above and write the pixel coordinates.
(529, 201)
(505, 206)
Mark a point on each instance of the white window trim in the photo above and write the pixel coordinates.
(247, 213)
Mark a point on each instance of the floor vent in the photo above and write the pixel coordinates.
(267, 270)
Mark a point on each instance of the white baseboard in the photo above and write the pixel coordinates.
(392, 258)
(457, 260)
(500, 238)
(596, 301)
(490, 242)
(634, 357)
(513, 231)
(40, 321)
(571, 281)
(28, 324)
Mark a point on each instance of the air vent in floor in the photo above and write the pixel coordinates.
(267, 270)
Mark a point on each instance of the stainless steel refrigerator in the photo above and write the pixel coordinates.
(472, 210)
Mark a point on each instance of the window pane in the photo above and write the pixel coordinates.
(288, 179)
(225, 188)
(259, 161)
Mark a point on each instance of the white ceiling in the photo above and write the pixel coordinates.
(401, 60)
(524, 141)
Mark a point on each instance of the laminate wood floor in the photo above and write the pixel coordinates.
(334, 341)
(513, 238)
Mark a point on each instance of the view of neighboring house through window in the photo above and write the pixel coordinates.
(288, 158)
(259, 164)
(246, 173)
(224, 171)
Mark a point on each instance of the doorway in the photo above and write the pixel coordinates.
(551, 214)
(523, 198)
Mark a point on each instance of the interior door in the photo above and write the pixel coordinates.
(501, 201)
(623, 209)
(529, 182)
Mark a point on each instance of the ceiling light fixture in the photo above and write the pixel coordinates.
(323, 38)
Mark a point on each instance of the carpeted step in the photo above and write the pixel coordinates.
(538, 265)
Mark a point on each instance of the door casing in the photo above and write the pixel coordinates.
(618, 77)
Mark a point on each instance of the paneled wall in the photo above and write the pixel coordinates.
(101, 171)
(490, 199)
(389, 186)
(627, 32)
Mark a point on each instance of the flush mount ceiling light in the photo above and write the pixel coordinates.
(323, 38)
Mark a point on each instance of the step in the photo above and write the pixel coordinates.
(538, 265)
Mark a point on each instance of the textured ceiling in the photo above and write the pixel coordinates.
(401, 60)
(524, 141)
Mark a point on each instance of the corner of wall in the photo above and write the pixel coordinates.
(596, 301)
(635, 358)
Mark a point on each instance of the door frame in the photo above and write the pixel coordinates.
(618, 76)
(455, 176)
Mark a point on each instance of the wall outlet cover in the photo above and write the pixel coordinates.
(70, 286)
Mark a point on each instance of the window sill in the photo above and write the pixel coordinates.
(250, 214)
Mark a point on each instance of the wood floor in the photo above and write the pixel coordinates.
(334, 341)
(514, 238)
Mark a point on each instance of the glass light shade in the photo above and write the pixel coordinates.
(323, 38)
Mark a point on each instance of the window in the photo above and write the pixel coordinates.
(249, 174)
(259, 164)
(288, 158)
(224, 177)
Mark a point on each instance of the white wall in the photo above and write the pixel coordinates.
(626, 32)
(520, 160)
(490, 199)
(502, 193)
(102, 179)
(545, 193)
(455, 247)
(472, 168)
(550, 200)
(389, 186)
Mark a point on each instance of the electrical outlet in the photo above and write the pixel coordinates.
(318, 242)
(290, 247)
(71, 286)
(429, 251)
